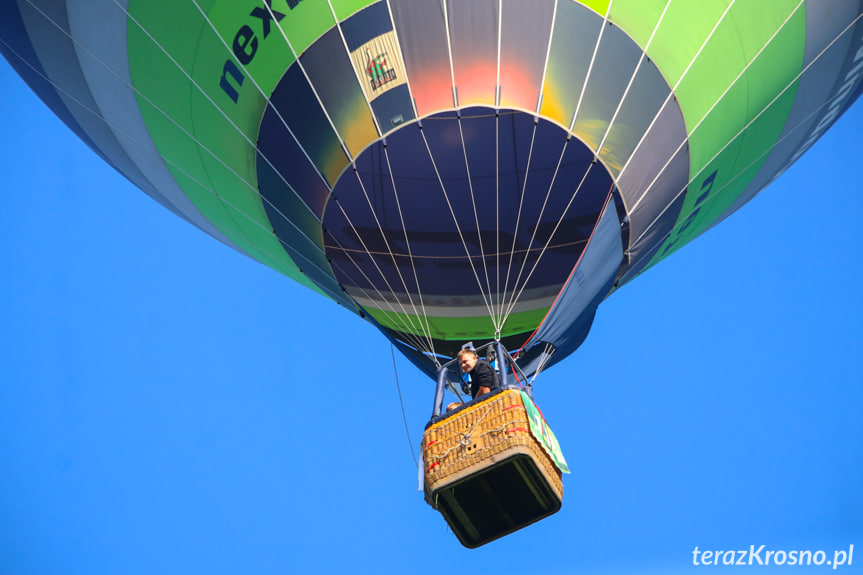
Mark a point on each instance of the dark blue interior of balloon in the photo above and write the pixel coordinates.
(480, 202)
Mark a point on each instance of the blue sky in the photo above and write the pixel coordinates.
(170, 406)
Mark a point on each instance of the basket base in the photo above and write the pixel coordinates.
(509, 493)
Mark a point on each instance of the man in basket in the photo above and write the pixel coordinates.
(478, 374)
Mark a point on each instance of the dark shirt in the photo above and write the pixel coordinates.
(482, 374)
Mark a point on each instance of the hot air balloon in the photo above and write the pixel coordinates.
(450, 171)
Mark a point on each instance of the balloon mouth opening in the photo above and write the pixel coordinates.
(464, 224)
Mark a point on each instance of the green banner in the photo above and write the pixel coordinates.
(540, 430)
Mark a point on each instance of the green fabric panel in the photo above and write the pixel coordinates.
(271, 58)
(345, 8)
(682, 32)
(222, 197)
(542, 432)
(306, 23)
(459, 328)
(637, 18)
(767, 76)
(735, 43)
(256, 241)
(598, 6)
(740, 161)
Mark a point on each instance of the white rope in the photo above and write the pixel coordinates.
(410, 253)
(146, 146)
(476, 219)
(392, 316)
(632, 79)
(308, 80)
(590, 66)
(518, 215)
(417, 313)
(377, 267)
(224, 115)
(743, 130)
(554, 231)
(458, 228)
(676, 85)
(512, 302)
(706, 114)
(598, 150)
(547, 56)
(398, 43)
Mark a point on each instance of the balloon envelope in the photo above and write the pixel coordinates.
(450, 171)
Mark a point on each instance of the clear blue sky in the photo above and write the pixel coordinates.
(170, 406)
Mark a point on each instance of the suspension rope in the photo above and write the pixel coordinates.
(716, 103)
(743, 130)
(408, 316)
(347, 51)
(554, 231)
(402, 404)
(539, 218)
(518, 214)
(393, 316)
(757, 159)
(458, 228)
(476, 219)
(632, 79)
(676, 85)
(260, 91)
(392, 256)
(598, 149)
(117, 130)
(309, 80)
(411, 257)
(590, 66)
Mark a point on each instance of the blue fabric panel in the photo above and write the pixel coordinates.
(298, 230)
(279, 151)
(16, 48)
(393, 108)
(569, 320)
(366, 24)
(460, 205)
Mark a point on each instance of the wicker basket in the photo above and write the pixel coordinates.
(486, 473)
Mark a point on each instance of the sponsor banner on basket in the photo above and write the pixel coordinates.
(540, 430)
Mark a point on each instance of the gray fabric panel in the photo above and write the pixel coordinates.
(100, 29)
(524, 36)
(59, 58)
(664, 137)
(473, 36)
(656, 219)
(576, 29)
(642, 103)
(825, 20)
(615, 63)
(588, 283)
(422, 35)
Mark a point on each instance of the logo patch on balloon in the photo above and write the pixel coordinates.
(379, 65)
